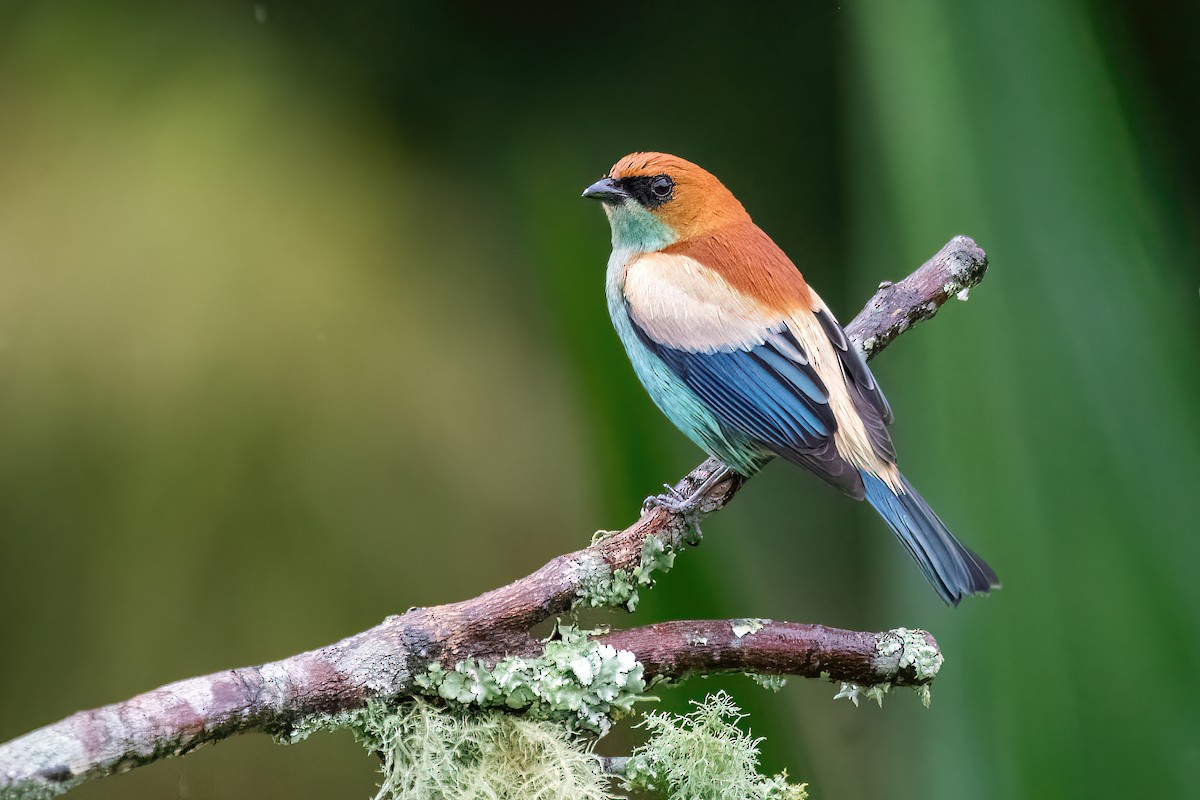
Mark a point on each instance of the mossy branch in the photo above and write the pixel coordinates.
(393, 660)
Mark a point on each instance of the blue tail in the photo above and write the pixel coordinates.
(952, 569)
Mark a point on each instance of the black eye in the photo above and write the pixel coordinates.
(651, 191)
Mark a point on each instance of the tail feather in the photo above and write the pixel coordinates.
(952, 569)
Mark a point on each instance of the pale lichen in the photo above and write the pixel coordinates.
(575, 681)
(852, 691)
(306, 726)
(432, 753)
(704, 755)
(602, 534)
(914, 652)
(745, 627)
(770, 682)
(877, 692)
(849, 691)
(901, 652)
(601, 587)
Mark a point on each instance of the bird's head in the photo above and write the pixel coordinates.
(654, 200)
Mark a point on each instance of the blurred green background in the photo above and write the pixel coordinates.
(301, 324)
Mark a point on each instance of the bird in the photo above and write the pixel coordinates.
(744, 357)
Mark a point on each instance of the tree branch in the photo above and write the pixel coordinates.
(677, 649)
(896, 307)
(384, 661)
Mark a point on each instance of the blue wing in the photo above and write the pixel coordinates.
(768, 393)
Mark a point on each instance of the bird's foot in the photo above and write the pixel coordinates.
(671, 500)
(687, 507)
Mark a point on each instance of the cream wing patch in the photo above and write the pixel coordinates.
(682, 304)
(851, 439)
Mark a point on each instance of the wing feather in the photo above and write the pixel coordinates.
(873, 408)
(749, 366)
(774, 400)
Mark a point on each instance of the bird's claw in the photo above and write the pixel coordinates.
(687, 507)
(671, 500)
(683, 506)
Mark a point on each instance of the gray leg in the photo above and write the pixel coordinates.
(687, 507)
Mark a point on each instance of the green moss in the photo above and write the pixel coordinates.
(575, 681)
(704, 755)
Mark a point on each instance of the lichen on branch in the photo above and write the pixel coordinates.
(429, 751)
(616, 588)
(704, 755)
(911, 656)
(426, 752)
(479, 653)
(575, 681)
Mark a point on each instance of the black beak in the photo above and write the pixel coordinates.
(606, 190)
